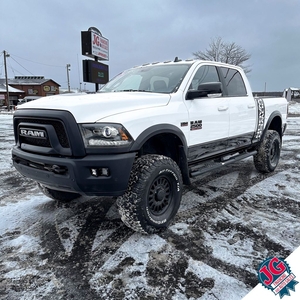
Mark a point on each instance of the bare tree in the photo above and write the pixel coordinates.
(221, 51)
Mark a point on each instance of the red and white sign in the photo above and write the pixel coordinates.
(100, 46)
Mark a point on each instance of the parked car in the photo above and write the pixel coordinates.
(27, 99)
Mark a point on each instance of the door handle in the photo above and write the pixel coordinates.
(222, 108)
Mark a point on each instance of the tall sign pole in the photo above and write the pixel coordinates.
(96, 84)
(5, 54)
(68, 77)
(95, 46)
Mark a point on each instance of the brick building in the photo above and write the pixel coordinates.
(31, 86)
(13, 93)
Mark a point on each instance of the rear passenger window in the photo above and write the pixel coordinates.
(234, 82)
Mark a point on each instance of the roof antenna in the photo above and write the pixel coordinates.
(176, 59)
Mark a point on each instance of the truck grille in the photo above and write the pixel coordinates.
(48, 132)
(35, 141)
(42, 142)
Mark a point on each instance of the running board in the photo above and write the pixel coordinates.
(217, 165)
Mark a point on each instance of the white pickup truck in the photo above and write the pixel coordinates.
(146, 133)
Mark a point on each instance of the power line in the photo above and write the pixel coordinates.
(16, 71)
(8, 64)
(20, 65)
(39, 62)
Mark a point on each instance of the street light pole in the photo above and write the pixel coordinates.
(68, 77)
(5, 54)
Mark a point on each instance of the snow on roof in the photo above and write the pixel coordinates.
(27, 80)
(10, 89)
(293, 89)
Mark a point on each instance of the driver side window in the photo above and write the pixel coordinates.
(204, 74)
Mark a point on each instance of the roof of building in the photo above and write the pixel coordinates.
(27, 80)
(293, 89)
(10, 89)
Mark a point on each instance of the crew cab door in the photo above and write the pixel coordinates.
(208, 115)
(242, 108)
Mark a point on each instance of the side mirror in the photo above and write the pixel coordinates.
(207, 89)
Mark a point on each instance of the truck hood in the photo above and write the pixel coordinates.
(89, 108)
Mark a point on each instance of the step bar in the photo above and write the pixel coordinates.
(217, 165)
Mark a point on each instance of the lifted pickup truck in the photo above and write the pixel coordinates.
(146, 133)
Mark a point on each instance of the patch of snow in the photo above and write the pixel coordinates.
(68, 232)
(225, 287)
(240, 255)
(101, 236)
(279, 183)
(180, 228)
(25, 244)
(18, 273)
(137, 247)
(294, 108)
(189, 201)
(224, 182)
(24, 214)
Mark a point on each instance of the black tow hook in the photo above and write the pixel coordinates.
(56, 169)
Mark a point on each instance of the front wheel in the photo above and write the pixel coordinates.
(58, 195)
(153, 195)
(268, 154)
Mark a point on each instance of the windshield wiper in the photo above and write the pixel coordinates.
(131, 90)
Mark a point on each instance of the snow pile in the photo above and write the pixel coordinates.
(294, 108)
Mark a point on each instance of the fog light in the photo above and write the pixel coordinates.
(94, 172)
(100, 172)
(105, 172)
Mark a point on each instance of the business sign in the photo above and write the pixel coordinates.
(93, 44)
(94, 72)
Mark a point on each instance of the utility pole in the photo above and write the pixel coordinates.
(68, 77)
(5, 54)
(265, 89)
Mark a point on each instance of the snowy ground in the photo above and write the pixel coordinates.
(228, 223)
(294, 108)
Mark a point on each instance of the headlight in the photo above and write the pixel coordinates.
(95, 135)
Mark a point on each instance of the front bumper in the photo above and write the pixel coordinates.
(74, 174)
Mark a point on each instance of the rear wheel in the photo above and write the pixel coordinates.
(268, 154)
(58, 195)
(153, 195)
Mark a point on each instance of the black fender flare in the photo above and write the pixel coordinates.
(166, 128)
(155, 130)
(273, 115)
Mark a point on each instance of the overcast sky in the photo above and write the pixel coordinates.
(42, 37)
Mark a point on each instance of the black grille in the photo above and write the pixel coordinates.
(58, 127)
(35, 141)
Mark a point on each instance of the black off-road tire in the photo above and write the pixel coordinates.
(153, 195)
(267, 157)
(58, 195)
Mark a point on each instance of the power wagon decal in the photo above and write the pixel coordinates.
(260, 117)
(196, 125)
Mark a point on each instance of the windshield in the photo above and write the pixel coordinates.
(152, 78)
